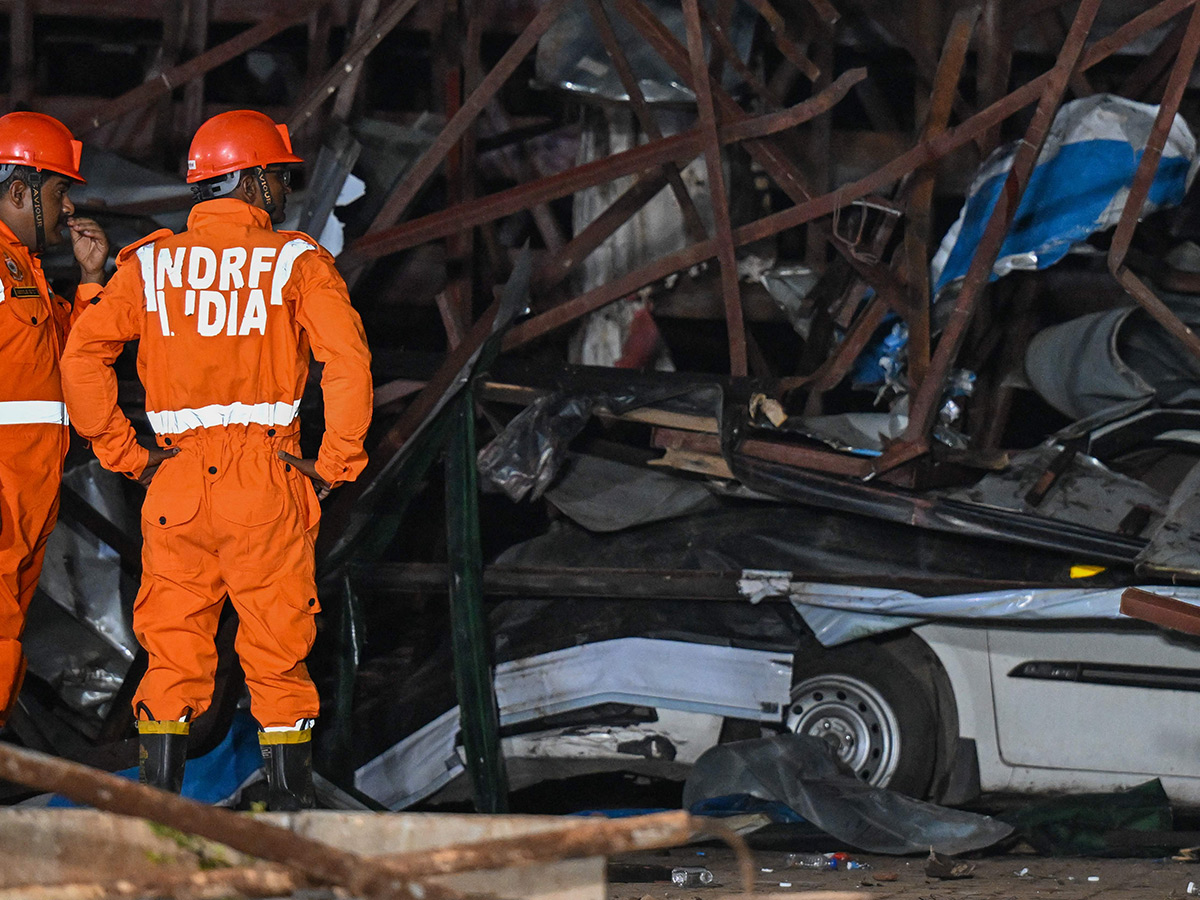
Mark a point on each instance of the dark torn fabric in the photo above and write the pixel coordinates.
(1092, 824)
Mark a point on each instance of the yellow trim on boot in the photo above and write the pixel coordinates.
(295, 736)
(147, 726)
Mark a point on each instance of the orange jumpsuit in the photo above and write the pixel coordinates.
(226, 313)
(33, 439)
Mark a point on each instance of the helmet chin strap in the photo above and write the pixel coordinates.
(264, 188)
(34, 179)
(220, 187)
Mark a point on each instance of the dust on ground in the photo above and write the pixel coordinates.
(1009, 876)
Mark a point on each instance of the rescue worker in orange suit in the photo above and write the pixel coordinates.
(226, 313)
(39, 161)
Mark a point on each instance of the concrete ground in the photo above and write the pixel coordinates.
(994, 878)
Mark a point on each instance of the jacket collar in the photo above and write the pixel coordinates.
(226, 211)
(8, 238)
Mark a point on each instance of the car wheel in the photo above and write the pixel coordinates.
(873, 706)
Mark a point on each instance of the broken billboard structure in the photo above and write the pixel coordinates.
(881, 426)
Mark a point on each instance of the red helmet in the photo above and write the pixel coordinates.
(40, 142)
(235, 140)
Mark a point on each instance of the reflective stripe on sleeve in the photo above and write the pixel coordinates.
(177, 421)
(145, 255)
(33, 412)
(154, 297)
(283, 267)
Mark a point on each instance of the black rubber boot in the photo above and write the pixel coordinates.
(161, 755)
(288, 763)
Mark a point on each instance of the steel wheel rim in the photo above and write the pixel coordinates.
(854, 718)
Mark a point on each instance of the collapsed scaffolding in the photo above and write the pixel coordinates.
(879, 227)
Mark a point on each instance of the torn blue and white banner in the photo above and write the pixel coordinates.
(1078, 187)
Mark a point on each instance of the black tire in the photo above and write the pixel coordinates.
(878, 702)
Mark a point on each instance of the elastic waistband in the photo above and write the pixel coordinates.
(217, 415)
(33, 412)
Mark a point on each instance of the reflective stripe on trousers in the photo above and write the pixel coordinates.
(33, 412)
(177, 421)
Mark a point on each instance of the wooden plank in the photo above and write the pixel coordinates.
(700, 463)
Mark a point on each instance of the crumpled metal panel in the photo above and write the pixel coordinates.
(702, 678)
(1086, 493)
(79, 638)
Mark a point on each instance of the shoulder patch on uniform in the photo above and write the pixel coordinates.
(131, 249)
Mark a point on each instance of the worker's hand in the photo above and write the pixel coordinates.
(157, 456)
(309, 467)
(90, 244)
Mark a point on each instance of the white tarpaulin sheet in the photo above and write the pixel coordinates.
(838, 613)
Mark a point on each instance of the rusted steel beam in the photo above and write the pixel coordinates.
(693, 224)
(456, 72)
(1140, 190)
(831, 372)
(790, 50)
(994, 66)
(924, 403)
(169, 52)
(924, 153)
(364, 20)
(772, 451)
(1052, 29)
(898, 27)
(1137, 26)
(415, 178)
(186, 72)
(346, 515)
(770, 154)
(316, 66)
(320, 862)
(730, 54)
(835, 368)
(918, 229)
(819, 142)
(684, 145)
(350, 63)
(525, 170)
(726, 255)
(554, 270)
(1157, 609)
(197, 15)
(959, 135)
(1153, 66)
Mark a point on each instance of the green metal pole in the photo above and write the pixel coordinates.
(478, 715)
